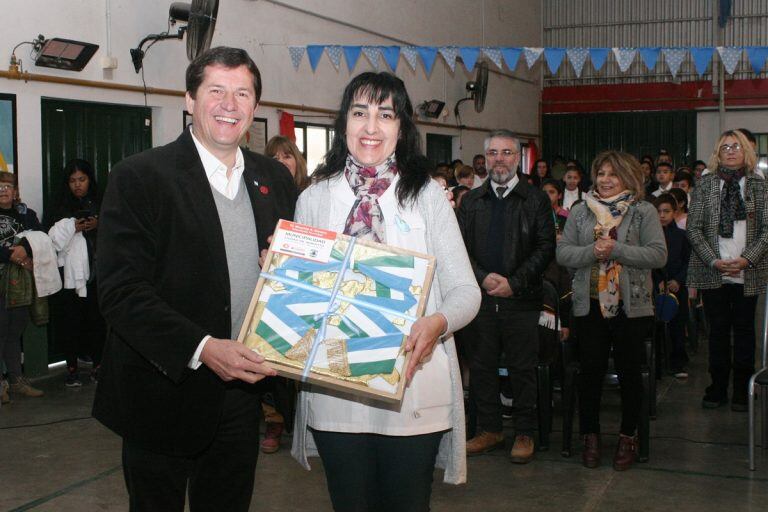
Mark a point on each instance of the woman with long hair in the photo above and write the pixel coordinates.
(73, 229)
(375, 185)
(613, 240)
(727, 221)
(287, 153)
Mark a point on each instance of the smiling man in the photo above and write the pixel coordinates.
(179, 238)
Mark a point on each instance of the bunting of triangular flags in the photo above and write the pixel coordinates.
(674, 58)
(730, 56)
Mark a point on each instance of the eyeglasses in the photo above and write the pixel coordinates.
(727, 148)
(5, 187)
(503, 152)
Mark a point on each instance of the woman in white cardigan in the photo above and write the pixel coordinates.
(375, 185)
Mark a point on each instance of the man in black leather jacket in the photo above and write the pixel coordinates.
(508, 228)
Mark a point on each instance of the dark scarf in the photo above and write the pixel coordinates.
(731, 204)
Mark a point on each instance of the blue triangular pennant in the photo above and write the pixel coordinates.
(411, 56)
(314, 52)
(730, 57)
(511, 56)
(757, 56)
(577, 57)
(469, 55)
(554, 57)
(650, 56)
(674, 57)
(702, 56)
(598, 56)
(351, 54)
(296, 52)
(391, 55)
(428, 55)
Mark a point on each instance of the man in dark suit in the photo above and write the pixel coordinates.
(180, 233)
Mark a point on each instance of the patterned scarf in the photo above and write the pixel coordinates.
(365, 220)
(731, 204)
(609, 213)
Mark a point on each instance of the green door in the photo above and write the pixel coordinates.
(100, 133)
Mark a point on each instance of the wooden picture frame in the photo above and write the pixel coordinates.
(8, 142)
(255, 139)
(285, 357)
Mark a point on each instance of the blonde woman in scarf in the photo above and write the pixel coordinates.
(612, 241)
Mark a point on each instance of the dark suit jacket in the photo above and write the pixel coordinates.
(678, 253)
(164, 285)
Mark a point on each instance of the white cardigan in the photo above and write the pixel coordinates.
(434, 400)
(72, 255)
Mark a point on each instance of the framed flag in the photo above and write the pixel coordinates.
(336, 311)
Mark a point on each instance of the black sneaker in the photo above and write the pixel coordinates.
(73, 380)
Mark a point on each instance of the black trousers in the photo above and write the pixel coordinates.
(515, 334)
(219, 478)
(371, 472)
(728, 310)
(80, 325)
(596, 336)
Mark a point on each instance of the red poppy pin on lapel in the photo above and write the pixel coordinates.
(264, 189)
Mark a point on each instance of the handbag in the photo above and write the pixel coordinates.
(666, 306)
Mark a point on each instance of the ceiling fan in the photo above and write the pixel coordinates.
(200, 19)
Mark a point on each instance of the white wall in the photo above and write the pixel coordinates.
(265, 28)
(708, 127)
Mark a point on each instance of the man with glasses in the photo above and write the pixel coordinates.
(509, 232)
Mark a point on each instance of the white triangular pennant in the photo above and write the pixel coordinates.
(296, 52)
(730, 57)
(449, 53)
(334, 54)
(495, 55)
(577, 57)
(532, 55)
(411, 56)
(674, 58)
(624, 57)
(372, 53)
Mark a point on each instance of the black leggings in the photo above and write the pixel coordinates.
(371, 472)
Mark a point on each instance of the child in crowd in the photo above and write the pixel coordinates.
(664, 176)
(572, 192)
(458, 192)
(671, 279)
(554, 190)
(465, 175)
(681, 214)
(684, 180)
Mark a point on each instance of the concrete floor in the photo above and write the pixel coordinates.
(54, 457)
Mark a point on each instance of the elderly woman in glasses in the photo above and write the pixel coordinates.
(727, 223)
